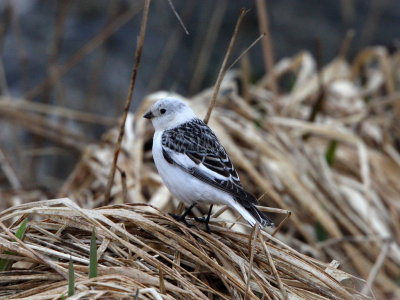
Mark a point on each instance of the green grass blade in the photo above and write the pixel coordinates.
(330, 153)
(71, 278)
(320, 232)
(4, 263)
(21, 229)
(93, 256)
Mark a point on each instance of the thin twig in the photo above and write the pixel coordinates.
(274, 271)
(220, 211)
(177, 16)
(252, 246)
(138, 55)
(223, 68)
(246, 50)
(319, 102)
(124, 186)
(268, 53)
(344, 47)
(289, 213)
(376, 268)
(245, 78)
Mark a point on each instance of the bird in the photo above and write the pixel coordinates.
(194, 165)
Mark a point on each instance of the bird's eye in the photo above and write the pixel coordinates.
(162, 111)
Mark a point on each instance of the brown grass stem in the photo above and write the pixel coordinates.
(268, 52)
(138, 55)
(223, 69)
(124, 186)
(246, 50)
(376, 267)
(245, 72)
(319, 102)
(273, 267)
(345, 46)
(252, 246)
(162, 281)
(289, 213)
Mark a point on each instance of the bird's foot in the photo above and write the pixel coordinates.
(204, 220)
(181, 218)
(201, 219)
(208, 230)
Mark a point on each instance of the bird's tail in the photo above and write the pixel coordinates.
(252, 214)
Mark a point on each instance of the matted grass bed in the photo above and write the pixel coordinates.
(152, 252)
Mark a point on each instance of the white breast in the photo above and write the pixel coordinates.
(182, 185)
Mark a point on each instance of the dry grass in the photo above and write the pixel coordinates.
(345, 212)
(141, 249)
(326, 148)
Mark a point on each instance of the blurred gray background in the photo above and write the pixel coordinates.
(92, 44)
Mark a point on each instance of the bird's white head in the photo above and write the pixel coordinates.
(168, 113)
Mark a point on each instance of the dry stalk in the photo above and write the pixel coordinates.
(274, 271)
(245, 51)
(376, 267)
(252, 240)
(138, 55)
(223, 68)
(263, 19)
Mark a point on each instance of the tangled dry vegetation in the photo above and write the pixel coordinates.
(326, 149)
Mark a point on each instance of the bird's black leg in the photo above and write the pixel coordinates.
(206, 220)
(182, 218)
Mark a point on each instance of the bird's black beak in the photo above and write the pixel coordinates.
(149, 115)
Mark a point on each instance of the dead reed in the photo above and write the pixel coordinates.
(338, 175)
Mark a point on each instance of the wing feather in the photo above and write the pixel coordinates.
(210, 162)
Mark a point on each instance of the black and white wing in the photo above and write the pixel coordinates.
(194, 148)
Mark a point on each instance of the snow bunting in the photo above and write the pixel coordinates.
(194, 165)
